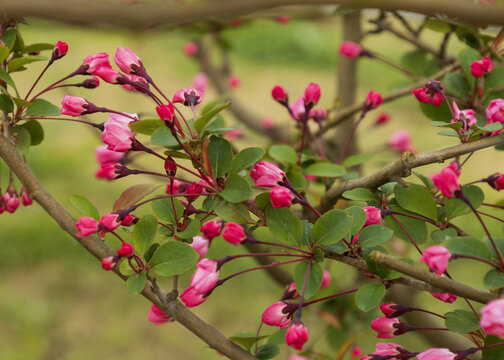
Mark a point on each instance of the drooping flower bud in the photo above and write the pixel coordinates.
(445, 297)
(76, 106)
(234, 233)
(312, 95)
(11, 199)
(274, 315)
(446, 181)
(26, 199)
(158, 316)
(110, 75)
(128, 61)
(385, 327)
(296, 335)
(279, 94)
(170, 166)
(481, 67)
(429, 93)
(281, 197)
(318, 115)
(200, 244)
(109, 171)
(126, 250)
(193, 192)
(436, 257)
(190, 48)
(86, 226)
(109, 263)
(166, 113)
(266, 174)
(192, 298)
(211, 229)
(496, 181)
(373, 100)
(188, 96)
(373, 215)
(205, 277)
(117, 134)
(110, 221)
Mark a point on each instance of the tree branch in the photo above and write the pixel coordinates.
(98, 248)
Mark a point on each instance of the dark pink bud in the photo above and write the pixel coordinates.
(188, 96)
(177, 187)
(296, 336)
(129, 220)
(117, 134)
(373, 215)
(373, 99)
(193, 192)
(279, 94)
(109, 263)
(274, 315)
(86, 226)
(382, 118)
(91, 83)
(350, 49)
(447, 182)
(281, 197)
(127, 61)
(109, 75)
(266, 174)
(73, 106)
(110, 221)
(436, 354)
(190, 48)
(103, 155)
(495, 113)
(108, 171)
(170, 166)
(283, 19)
(158, 316)
(11, 199)
(234, 81)
(166, 112)
(126, 250)
(326, 279)
(356, 352)
(234, 233)
(445, 297)
(481, 67)
(59, 50)
(385, 327)
(26, 199)
(96, 61)
(436, 257)
(211, 229)
(192, 298)
(432, 98)
(205, 277)
(386, 349)
(496, 181)
(312, 94)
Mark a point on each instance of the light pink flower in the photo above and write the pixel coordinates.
(200, 82)
(108, 171)
(373, 215)
(96, 61)
(385, 349)
(296, 336)
(446, 181)
(384, 327)
(126, 250)
(26, 199)
(281, 197)
(190, 48)
(436, 354)
(492, 319)
(158, 316)
(481, 67)
(205, 277)
(211, 229)
(109, 75)
(127, 60)
(233, 233)
(192, 298)
(373, 99)
(86, 226)
(495, 113)
(350, 49)
(266, 174)
(109, 262)
(279, 94)
(201, 245)
(435, 99)
(400, 141)
(104, 155)
(326, 279)
(188, 96)
(11, 199)
(466, 116)
(234, 82)
(139, 81)
(274, 315)
(298, 108)
(117, 134)
(312, 94)
(436, 257)
(73, 105)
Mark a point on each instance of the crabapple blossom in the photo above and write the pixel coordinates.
(86, 226)
(211, 229)
(384, 327)
(266, 174)
(296, 335)
(158, 316)
(373, 215)
(274, 315)
(109, 262)
(188, 96)
(350, 49)
(200, 244)
(436, 257)
(446, 181)
(233, 233)
(281, 197)
(126, 250)
(492, 319)
(481, 67)
(436, 354)
(312, 94)
(205, 277)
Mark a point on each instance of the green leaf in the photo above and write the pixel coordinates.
(466, 57)
(246, 158)
(284, 225)
(325, 169)
(18, 62)
(461, 321)
(144, 232)
(469, 37)
(37, 47)
(20, 102)
(6, 103)
(163, 136)
(6, 78)
(359, 194)
(132, 195)
(36, 131)
(163, 208)
(436, 113)
(203, 120)
(374, 235)
(283, 153)
(437, 26)
(297, 179)
(417, 229)
(369, 296)
(125, 269)
(267, 351)
(457, 84)
(136, 283)
(191, 230)
(466, 245)
(40, 107)
(314, 278)
(173, 258)
(426, 181)
(332, 227)
(262, 200)
(146, 127)
(9, 37)
(278, 337)
(237, 189)
(220, 154)
(4, 52)
(492, 353)
(456, 207)
(494, 79)
(358, 218)
(227, 211)
(150, 251)
(84, 206)
(443, 235)
(247, 341)
(494, 279)
(22, 139)
(417, 199)
(415, 61)
(356, 159)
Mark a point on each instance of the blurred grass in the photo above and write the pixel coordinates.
(56, 301)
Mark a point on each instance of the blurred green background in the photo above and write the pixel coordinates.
(57, 303)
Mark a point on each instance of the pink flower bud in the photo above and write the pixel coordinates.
(281, 197)
(447, 182)
(11, 199)
(234, 82)
(492, 319)
(200, 82)
(482, 67)
(373, 215)
(356, 351)
(350, 49)
(129, 220)
(127, 60)
(108, 171)
(400, 141)
(170, 166)
(283, 19)
(192, 298)
(279, 94)
(426, 96)
(298, 108)
(109, 75)
(296, 335)
(59, 50)
(177, 187)
(193, 192)
(373, 99)
(134, 83)
(382, 118)
(436, 257)
(312, 94)
(234, 134)
(464, 116)
(190, 48)
(297, 357)
(2, 204)
(109, 262)
(92, 83)
(495, 113)
(318, 114)
(73, 105)
(104, 155)
(445, 297)
(211, 229)
(25, 197)
(275, 316)
(496, 181)
(110, 221)
(326, 279)
(117, 134)
(158, 316)
(166, 112)
(384, 327)
(96, 61)
(266, 174)
(200, 244)
(126, 250)
(436, 354)
(234, 233)
(205, 277)
(386, 349)
(291, 292)
(86, 226)
(188, 96)
(267, 122)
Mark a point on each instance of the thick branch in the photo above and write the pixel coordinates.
(402, 168)
(98, 248)
(146, 14)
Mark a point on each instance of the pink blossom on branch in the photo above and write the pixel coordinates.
(117, 134)
(312, 94)
(127, 61)
(495, 113)
(373, 100)
(274, 315)
(481, 67)
(60, 49)
(266, 174)
(437, 258)
(96, 61)
(192, 298)
(373, 215)
(108, 171)
(326, 279)
(86, 226)
(445, 297)
(11, 199)
(190, 48)
(382, 118)
(104, 155)
(211, 229)
(158, 316)
(279, 94)
(496, 181)
(296, 336)
(436, 354)
(350, 49)
(280, 197)
(126, 250)
(188, 96)
(385, 327)
(26, 199)
(200, 244)
(492, 319)
(109, 262)
(446, 181)
(234, 233)
(205, 277)
(400, 141)
(433, 98)
(73, 106)
(464, 116)
(166, 112)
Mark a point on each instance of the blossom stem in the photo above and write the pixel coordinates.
(250, 240)
(406, 232)
(475, 91)
(329, 297)
(36, 81)
(416, 217)
(224, 260)
(303, 291)
(351, 135)
(50, 87)
(427, 312)
(98, 126)
(303, 139)
(490, 216)
(493, 205)
(463, 256)
(447, 103)
(134, 207)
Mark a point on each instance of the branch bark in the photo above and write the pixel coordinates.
(96, 247)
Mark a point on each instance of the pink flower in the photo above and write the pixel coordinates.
(109, 262)
(109, 75)
(177, 187)
(436, 257)
(117, 134)
(274, 315)
(432, 98)
(201, 245)
(127, 60)
(11, 199)
(73, 105)
(59, 50)
(356, 351)
(373, 99)
(25, 197)
(385, 349)
(190, 48)
(234, 81)
(128, 220)
(211, 229)
(193, 192)
(205, 277)
(481, 67)
(465, 116)
(318, 114)
(296, 335)
(126, 250)
(86, 226)
(326, 279)
(267, 122)
(436, 354)
(495, 113)
(350, 49)
(158, 316)
(384, 327)
(108, 171)
(279, 94)
(96, 61)
(445, 297)
(492, 319)
(281, 197)
(400, 141)
(104, 155)
(373, 215)
(188, 96)
(192, 298)
(110, 221)
(266, 174)
(446, 181)
(382, 118)
(388, 309)
(454, 165)
(166, 112)
(298, 108)
(134, 83)
(496, 181)
(200, 82)
(312, 94)
(234, 233)
(297, 357)
(292, 289)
